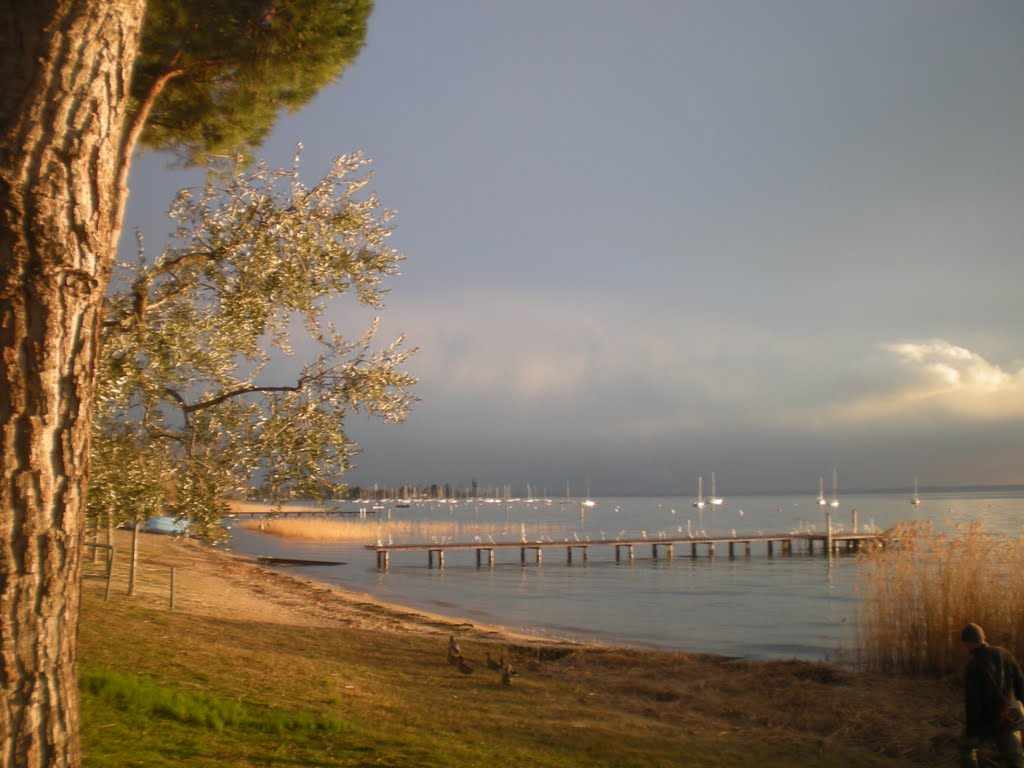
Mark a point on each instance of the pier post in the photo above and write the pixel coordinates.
(654, 551)
(732, 550)
(568, 555)
(771, 553)
(828, 534)
(711, 549)
(746, 548)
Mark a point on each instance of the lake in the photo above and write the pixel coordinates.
(756, 607)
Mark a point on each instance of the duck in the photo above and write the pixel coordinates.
(507, 673)
(454, 652)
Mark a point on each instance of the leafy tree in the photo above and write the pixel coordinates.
(214, 74)
(256, 259)
(68, 128)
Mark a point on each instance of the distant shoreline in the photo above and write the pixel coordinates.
(240, 505)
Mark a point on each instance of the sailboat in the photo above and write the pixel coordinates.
(916, 500)
(835, 496)
(822, 501)
(700, 503)
(715, 500)
(587, 501)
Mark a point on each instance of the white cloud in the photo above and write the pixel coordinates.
(938, 379)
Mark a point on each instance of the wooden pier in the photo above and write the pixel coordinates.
(829, 543)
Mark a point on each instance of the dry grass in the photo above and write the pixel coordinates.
(362, 531)
(379, 676)
(919, 592)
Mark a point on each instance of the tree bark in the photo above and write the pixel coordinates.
(65, 68)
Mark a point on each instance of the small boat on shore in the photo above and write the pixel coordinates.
(265, 560)
(167, 525)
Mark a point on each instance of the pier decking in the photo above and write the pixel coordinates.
(830, 543)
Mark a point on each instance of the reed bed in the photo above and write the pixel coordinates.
(918, 592)
(362, 531)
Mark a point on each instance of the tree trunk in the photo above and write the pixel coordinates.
(65, 67)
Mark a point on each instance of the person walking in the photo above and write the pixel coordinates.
(993, 683)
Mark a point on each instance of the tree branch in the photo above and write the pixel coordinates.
(138, 122)
(232, 393)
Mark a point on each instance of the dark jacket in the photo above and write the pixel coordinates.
(992, 678)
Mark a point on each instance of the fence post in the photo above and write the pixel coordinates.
(110, 572)
(135, 557)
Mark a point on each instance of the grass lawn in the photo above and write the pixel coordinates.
(209, 685)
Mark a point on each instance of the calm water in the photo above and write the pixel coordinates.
(754, 607)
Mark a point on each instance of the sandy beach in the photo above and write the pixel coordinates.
(773, 701)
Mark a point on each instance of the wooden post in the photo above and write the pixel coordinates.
(135, 557)
(770, 545)
(110, 573)
(172, 589)
(732, 552)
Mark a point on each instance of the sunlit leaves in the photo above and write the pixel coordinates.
(196, 340)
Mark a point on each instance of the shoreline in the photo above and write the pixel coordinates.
(771, 701)
(210, 581)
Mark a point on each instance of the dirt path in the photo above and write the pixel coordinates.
(213, 582)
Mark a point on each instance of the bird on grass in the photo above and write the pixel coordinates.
(495, 665)
(454, 652)
(507, 673)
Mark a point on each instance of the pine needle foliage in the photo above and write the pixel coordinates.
(919, 591)
(213, 75)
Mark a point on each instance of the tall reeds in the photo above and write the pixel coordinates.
(362, 531)
(918, 592)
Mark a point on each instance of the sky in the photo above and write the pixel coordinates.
(649, 241)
